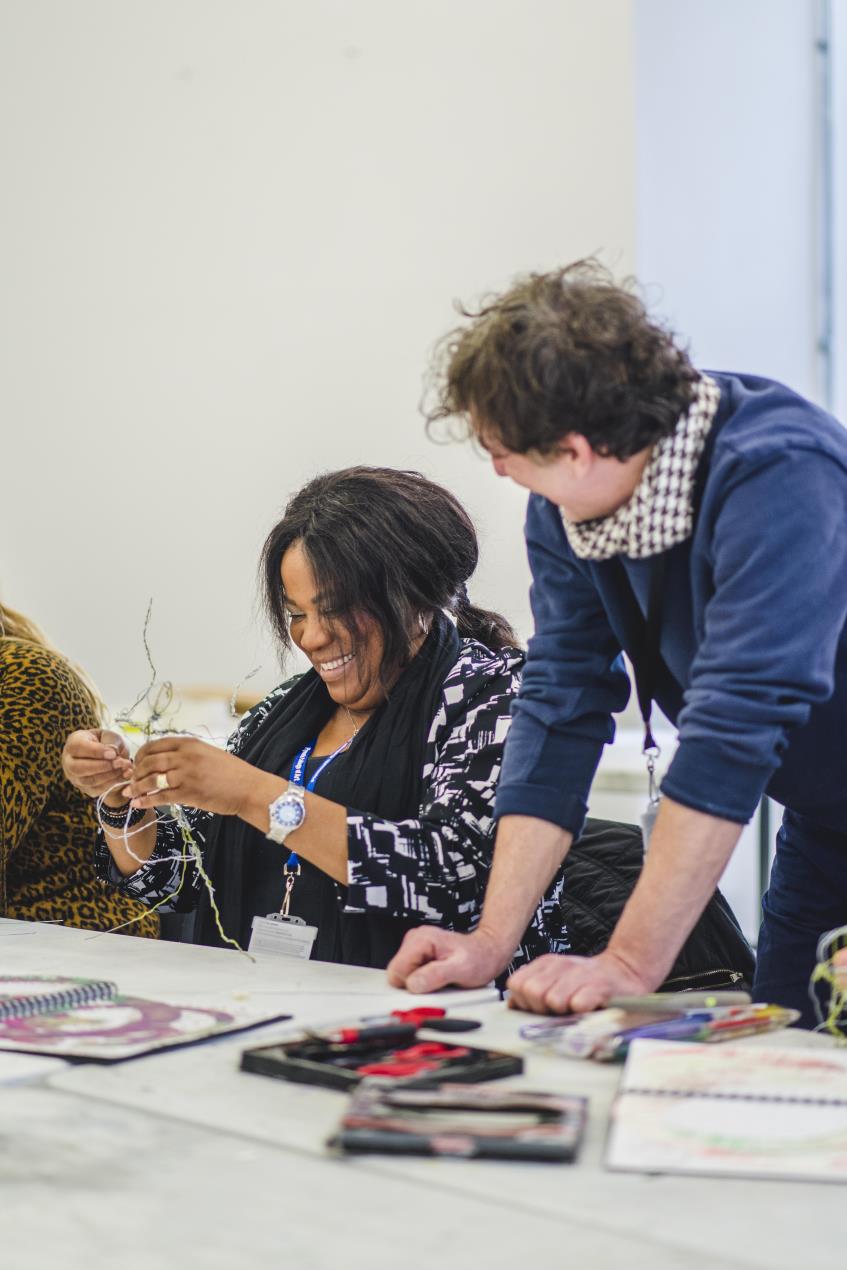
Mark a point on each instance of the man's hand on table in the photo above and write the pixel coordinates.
(558, 984)
(430, 958)
(527, 854)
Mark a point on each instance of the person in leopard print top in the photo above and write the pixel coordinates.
(47, 828)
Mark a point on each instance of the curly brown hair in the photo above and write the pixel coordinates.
(567, 351)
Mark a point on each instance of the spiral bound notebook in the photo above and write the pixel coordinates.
(88, 1019)
(40, 994)
(732, 1110)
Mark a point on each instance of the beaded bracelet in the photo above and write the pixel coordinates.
(116, 817)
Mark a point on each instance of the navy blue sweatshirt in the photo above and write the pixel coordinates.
(753, 639)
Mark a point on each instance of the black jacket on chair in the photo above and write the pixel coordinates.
(601, 870)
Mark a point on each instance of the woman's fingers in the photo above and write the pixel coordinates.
(155, 790)
(96, 762)
(156, 774)
(88, 746)
(147, 764)
(111, 744)
(158, 758)
(99, 764)
(93, 766)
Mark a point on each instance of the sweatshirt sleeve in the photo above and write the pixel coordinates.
(771, 629)
(573, 682)
(434, 868)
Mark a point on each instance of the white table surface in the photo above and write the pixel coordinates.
(180, 1159)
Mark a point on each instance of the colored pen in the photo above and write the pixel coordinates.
(614, 1047)
(430, 1016)
(761, 1018)
(418, 1014)
(548, 1027)
(674, 1002)
(581, 1040)
(725, 1024)
(672, 1030)
(369, 1035)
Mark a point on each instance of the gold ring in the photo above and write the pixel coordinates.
(162, 781)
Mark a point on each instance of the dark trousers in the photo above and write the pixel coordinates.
(806, 896)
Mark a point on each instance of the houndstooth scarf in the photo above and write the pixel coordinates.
(660, 512)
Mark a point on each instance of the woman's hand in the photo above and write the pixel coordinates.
(95, 761)
(183, 769)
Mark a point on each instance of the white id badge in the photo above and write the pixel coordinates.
(282, 936)
(648, 820)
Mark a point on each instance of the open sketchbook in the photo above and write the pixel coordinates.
(731, 1110)
(88, 1019)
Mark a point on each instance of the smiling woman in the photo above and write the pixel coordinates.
(360, 793)
(350, 662)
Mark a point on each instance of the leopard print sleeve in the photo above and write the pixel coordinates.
(36, 714)
(46, 826)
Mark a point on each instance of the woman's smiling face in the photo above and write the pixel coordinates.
(348, 665)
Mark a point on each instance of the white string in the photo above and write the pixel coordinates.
(128, 831)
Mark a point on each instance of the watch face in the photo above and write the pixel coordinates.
(288, 813)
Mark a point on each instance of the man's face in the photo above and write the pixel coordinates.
(583, 483)
(548, 475)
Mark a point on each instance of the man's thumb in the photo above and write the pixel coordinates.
(429, 978)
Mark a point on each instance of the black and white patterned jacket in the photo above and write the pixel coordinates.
(433, 868)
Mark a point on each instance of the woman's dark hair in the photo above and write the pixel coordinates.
(387, 543)
(563, 352)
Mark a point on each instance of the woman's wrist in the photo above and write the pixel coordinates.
(116, 800)
(263, 789)
(119, 819)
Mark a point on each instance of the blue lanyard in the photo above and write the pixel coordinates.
(298, 767)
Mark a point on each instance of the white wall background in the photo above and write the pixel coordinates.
(729, 211)
(727, 180)
(231, 232)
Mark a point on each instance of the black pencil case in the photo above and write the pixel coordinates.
(465, 1121)
(313, 1062)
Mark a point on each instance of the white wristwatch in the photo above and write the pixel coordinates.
(286, 813)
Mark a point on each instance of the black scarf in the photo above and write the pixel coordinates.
(380, 773)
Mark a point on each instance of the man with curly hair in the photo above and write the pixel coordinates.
(698, 522)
